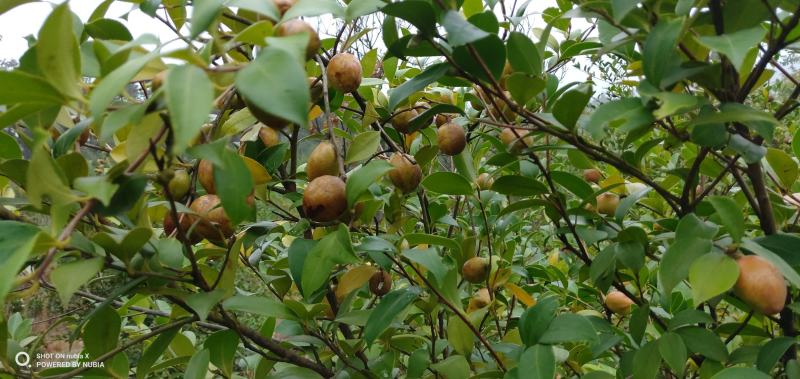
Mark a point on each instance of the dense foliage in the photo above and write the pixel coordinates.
(417, 192)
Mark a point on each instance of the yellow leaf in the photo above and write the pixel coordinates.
(524, 297)
(259, 173)
(315, 112)
(354, 279)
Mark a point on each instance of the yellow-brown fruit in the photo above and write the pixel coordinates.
(451, 139)
(514, 143)
(269, 137)
(618, 303)
(344, 72)
(406, 173)
(299, 26)
(475, 270)
(380, 283)
(479, 300)
(442, 119)
(402, 119)
(205, 175)
(607, 203)
(284, 5)
(211, 221)
(158, 81)
(760, 285)
(484, 181)
(179, 184)
(186, 225)
(507, 71)
(592, 175)
(324, 199)
(322, 161)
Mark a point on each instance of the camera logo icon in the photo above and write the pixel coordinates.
(22, 359)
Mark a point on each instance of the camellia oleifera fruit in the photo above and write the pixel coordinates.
(299, 26)
(213, 224)
(475, 270)
(402, 119)
(284, 5)
(186, 228)
(205, 175)
(607, 203)
(344, 72)
(451, 139)
(484, 181)
(480, 299)
(618, 302)
(324, 199)
(380, 283)
(516, 139)
(760, 285)
(592, 175)
(179, 184)
(406, 173)
(268, 136)
(322, 161)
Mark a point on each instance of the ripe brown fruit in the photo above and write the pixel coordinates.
(299, 26)
(324, 199)
(284, 5)
(212, 222)
(380, 283)
(514, 143)
(186, 227)
(484, 181)
(592, 175)
(442, 119)
(618, 303)
(402, 119)
(607, 203)
(344, 72)
(205, 175)
(451, 139)
(269, 137)
(760, 285)
(475, 270)
(480, 299)
(179, 184)
(406, 173)
(322, 161)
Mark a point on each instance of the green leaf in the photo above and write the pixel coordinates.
(454, 366)
(570, 105)
(621, 8)
(98, 187)
(705, 342)
(190, 97)
(101, 332)
(9, 149)
(222, 347)
(154, 351)
(460, 31)
(573, 184)
(17, 240)
(57, 52)
(628, 202)
(796, 144)
(108, 29)
(198, 365)
(524, 87)
(648, 361)
(788, 272)
(334, 248)
(424, 118)
(363, 146)
(730, 214)
(267, 8)
(783, 165)
(419, 13)
(492, 52)
(448, 183)
(20, 87)
(389, 308)
(740, 373)
(784, 245)
(430, 259)
(113, 84)
(705, 286)
(773, 350)
(460, 336)
(751, 152)
(518, 186)
(762, 122)
(569, 327)
(692, 240)
(537, 362)
(734, 45)
(232, 179)
(276, 69)
(312, 8)
(523, 56)
(430, 239)
(259, 305)
(673, 350)
(359, 181)
(203, 302)
(417, 83)
(659, 53)
(626, 114)
(357, 9)
(69, 277)
(7, 5)
(203, 14)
